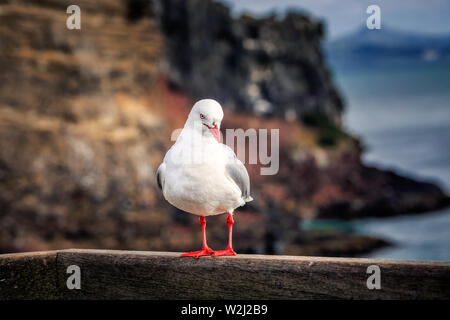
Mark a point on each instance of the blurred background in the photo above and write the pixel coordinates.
(86, 117)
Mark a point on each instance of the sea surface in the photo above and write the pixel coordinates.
(401, 110)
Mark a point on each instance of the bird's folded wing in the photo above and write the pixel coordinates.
(236, 171)
(160, 175)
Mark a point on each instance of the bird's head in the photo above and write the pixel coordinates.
(208, 114)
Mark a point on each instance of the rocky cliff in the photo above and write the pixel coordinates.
(86, 116)
(261, 66)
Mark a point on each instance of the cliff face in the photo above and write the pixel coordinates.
(262, 66)
(86, 116)
(78, 146)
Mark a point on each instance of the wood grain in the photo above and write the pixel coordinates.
(28, 276)
(111, 274)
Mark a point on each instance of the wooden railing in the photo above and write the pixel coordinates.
(109, 274)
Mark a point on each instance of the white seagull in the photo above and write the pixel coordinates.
(202, 176)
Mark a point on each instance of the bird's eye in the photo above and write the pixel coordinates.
(202, 116)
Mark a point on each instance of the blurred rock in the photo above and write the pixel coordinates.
(86, 117)
(79, 142)
(267, 66)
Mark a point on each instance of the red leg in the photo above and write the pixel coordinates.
(229, 250)
(206, 251)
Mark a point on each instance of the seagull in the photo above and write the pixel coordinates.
(203, 176)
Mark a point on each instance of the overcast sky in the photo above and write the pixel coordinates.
(343, 16)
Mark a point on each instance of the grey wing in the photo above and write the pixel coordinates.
(237, 172)
(160, 175)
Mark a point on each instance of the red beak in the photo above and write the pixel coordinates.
(215, 132)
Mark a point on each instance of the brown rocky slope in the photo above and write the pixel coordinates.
(86, 116)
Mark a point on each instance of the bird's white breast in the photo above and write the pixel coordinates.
(200, 186)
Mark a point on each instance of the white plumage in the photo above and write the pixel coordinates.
(202, 176)
(198, 174)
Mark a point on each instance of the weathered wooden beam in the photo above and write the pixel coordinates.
(29, 275)
(109, 274)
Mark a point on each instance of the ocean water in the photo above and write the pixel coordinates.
(401, 111)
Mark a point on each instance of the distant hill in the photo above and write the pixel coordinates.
(390, 42)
